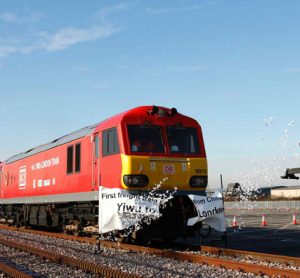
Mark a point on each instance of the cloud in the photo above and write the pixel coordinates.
(60, 40)
(34, 39)
(6, 50)
(20, 17)
(66, 37)
(106, 11)
(172, 10)
(8, 17)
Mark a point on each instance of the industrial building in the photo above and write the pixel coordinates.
(286, 192)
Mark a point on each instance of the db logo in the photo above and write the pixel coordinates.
(22, 177)
(169, 169)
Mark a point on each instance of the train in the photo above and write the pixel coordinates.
(57, 184)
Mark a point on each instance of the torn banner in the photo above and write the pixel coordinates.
(210, 210)
(118, 209)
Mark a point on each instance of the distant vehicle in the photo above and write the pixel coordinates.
(234, 189)
(290, 173)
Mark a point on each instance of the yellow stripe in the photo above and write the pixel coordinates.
(153, 167)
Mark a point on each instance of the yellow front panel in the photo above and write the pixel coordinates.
(169, 172)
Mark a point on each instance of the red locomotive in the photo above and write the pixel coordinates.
(56, 184)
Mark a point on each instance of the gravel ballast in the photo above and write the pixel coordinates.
(142, 264)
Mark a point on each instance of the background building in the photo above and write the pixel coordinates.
(286, 192)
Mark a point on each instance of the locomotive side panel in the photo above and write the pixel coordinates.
(111, 147)
(63, 169)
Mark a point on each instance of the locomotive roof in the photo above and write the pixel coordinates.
(66, 138)
(59, 141)
(134, 112)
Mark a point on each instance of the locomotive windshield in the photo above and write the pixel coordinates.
(183, 140)
(143, 138)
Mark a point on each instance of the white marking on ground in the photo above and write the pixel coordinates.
(282, 228)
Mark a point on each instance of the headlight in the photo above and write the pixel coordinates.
(198, 181)
(136, 180)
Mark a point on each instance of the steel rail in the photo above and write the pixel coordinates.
(70, 261)
(219, 262)
(287, 260)
(13, 271)
(198, 258)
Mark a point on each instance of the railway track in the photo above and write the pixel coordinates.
(65, 260)
(284, 260)
(89, 267)
(241, 261)
(226, 258)
(13, 270)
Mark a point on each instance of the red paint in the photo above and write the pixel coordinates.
(45, 173)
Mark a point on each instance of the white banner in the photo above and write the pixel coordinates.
(210, 209)
(118, 209)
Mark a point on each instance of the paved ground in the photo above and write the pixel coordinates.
(280, 236)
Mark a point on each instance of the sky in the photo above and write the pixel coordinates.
(232, 65)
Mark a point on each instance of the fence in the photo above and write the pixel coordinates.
(293, 204)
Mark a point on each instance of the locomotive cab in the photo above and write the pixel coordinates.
(163, 149)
